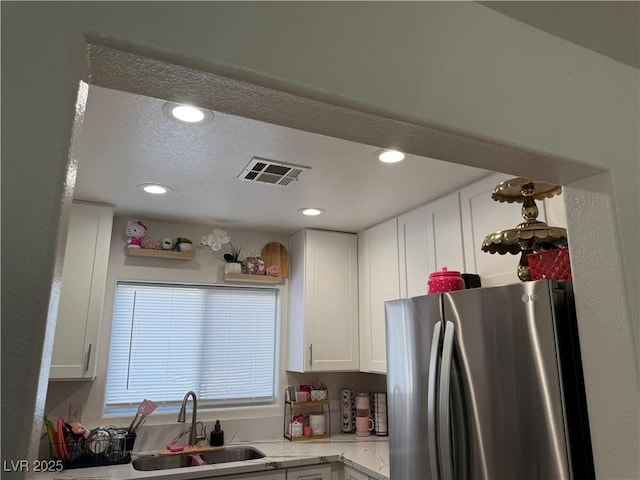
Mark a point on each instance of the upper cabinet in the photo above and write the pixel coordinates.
(481, 216)
(429, 238)
(378, 281)
(84, 276)
(323, 302)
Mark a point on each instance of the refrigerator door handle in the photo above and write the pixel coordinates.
(444, 425)
(431, 400)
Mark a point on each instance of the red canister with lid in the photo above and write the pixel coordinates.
(445, 281)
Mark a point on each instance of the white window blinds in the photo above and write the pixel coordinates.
(169, 339)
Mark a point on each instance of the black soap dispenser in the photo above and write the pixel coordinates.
(217, 436)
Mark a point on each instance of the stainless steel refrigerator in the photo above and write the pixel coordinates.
(487, 383)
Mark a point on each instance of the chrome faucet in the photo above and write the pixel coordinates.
(193, 438)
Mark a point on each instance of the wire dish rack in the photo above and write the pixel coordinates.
(111, 447)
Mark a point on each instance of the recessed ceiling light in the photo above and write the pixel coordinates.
(390, 156)
(311, 212)
(187, 113)
(155, 188)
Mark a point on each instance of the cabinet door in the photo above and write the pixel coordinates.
(314, 472)
(331, 301)
(481, 215)
(429, 238)
(270, 475)
(84, 276)
(413, 252)
(351, 473)
(323, 298)
(379, 281)
(444, 234)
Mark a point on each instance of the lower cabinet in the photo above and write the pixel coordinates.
(271, 475)
(351, 473)
(313, 472)
(323, 471)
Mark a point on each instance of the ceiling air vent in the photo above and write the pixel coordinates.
(274, 173)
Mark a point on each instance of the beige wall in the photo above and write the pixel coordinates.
(455, 64)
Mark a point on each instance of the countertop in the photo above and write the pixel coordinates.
(370, 455)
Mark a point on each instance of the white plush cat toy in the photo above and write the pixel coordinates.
(135, 232)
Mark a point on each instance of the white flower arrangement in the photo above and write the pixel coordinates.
(216, 239)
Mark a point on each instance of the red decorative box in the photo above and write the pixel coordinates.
(554, 264)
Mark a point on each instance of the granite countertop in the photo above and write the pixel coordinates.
(370, 455)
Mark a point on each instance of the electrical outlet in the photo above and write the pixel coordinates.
(75, 412)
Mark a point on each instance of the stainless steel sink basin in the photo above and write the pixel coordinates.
(167, 462)
(162, 462)
(233, 454)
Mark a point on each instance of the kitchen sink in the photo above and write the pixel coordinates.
(167, 462)
(234, 454)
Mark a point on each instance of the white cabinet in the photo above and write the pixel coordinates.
(313, 472)
(84, 276)
(270, 475)
(323, 302)
(378, 281)
(429, 238)
(351, 473)
(481, 215)
(413, 252)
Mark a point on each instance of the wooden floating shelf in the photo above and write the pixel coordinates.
(170, 254)
(245, 277)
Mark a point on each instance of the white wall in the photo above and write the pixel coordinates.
(455, 64)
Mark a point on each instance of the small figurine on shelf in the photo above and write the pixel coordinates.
(150, 244)
(135, 231)
(167, 243)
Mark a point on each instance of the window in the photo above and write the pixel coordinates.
(168, 339)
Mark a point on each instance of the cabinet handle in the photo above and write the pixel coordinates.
(86, 367)
(311, 354)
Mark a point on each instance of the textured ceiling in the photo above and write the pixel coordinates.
(126, 140)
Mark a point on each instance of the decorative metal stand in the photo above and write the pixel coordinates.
(531, 235)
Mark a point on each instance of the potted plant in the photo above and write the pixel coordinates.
(184, 244)
(215, 240)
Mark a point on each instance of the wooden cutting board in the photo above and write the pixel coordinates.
(275, 253)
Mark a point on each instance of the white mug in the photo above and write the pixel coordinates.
(316, 420)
